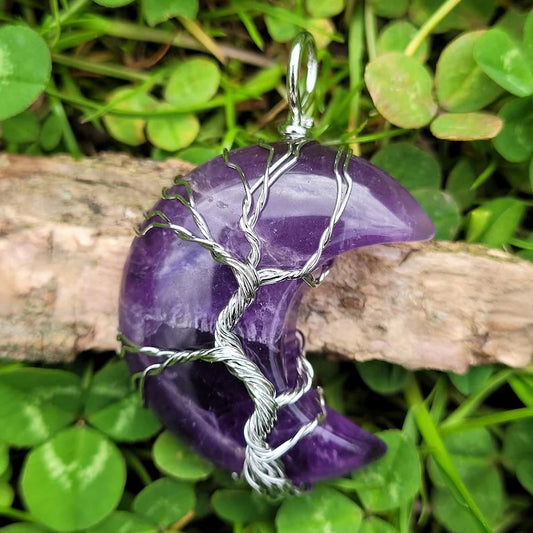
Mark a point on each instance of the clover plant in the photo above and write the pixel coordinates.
(437, 92)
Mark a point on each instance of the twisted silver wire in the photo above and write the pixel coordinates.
(273, 275)
(263, 466)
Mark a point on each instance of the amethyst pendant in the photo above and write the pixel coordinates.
(210, 294)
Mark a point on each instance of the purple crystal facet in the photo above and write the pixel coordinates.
(173, 291)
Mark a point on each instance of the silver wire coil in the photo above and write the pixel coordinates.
(263, 466)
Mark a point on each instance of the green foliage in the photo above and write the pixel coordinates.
(505, 62)
(156, 11)
(175, 459)
(420, 172)
(412, 167)
(22, 128)
(473, 381)
(193, 82)
(466, 126)
(523, 388)
(74, 479)
(472, 452)
(77, 466)
(165, 501)
(460, 83)
(373, 524)
(438, 93)
(382, 377)
(468, 14)
(518, 451)
(115, 408)
(460, 183)
(22, 528)
(320, 9)
(392, 481)
(124, 522)
(174, 75)
(35, 404)
(444, 212)
(241, 506)
(401, 89)
(24, 68)
(51, 133)
(495, 222)
(389, 8)
(280, 29)
(128, 130)
(113, 3)
(518, 442)
(7, 494)
(395, 37)
(515, 141)
(4, 457)
(322, 509)
(174, 133)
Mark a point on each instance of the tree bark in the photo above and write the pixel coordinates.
(65, 230)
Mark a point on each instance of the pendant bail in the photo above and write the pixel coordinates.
(301, 93)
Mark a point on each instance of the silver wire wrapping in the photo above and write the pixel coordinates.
(263, 467)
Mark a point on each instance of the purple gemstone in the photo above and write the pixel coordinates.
(173, 291)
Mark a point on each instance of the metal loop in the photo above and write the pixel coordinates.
(301, 98)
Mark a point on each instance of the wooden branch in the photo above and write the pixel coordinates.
(425, 305)
(66, 226)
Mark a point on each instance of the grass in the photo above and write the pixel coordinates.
(461, 458)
